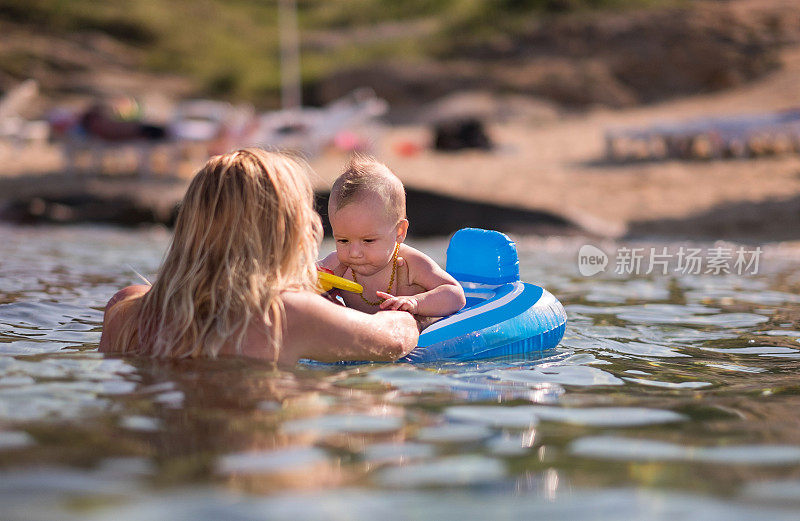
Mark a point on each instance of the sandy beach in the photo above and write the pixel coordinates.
(558, 167)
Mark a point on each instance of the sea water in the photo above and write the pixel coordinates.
(672, 396)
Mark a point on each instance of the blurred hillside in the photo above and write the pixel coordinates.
(577, 53)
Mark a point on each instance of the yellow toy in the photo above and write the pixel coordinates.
(328, 281)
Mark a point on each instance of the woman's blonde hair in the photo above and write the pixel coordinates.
(246, 231)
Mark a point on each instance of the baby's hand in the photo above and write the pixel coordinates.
(403, 303)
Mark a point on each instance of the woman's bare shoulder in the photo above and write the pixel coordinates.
(305, 302)
(118, 310)
(126, 293)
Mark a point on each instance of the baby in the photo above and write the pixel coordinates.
(367, 211)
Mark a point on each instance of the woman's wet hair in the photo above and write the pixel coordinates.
(245, 232)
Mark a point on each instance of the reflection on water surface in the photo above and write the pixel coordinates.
(670, 397)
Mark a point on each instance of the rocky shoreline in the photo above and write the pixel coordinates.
(128, 201)
(133, 202)
(63, 199)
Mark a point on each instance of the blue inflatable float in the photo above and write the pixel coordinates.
(503, 315)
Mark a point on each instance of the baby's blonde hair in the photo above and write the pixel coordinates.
(246, 231)
(365, 174)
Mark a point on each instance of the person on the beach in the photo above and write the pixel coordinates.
(240, 278)
(367, 212)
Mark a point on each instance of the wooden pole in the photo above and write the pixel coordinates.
(291, 94)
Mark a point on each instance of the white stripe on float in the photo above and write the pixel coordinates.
(478, 285)
(519, 287)
(546, 299)
(480, 294)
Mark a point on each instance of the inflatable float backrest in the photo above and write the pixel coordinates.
(481, 261)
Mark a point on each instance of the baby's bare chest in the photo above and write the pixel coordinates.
(369, 302)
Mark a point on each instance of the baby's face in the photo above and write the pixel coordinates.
(365, 236)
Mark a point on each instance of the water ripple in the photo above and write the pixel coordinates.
(454, 471)
(524, 416)
(704, 363)
(609, 447)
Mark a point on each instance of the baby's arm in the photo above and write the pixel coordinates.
(443, 295)
(331, 262)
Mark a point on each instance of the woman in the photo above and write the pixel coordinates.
(240, 278)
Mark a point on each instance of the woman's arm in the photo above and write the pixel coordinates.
(320, 330)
